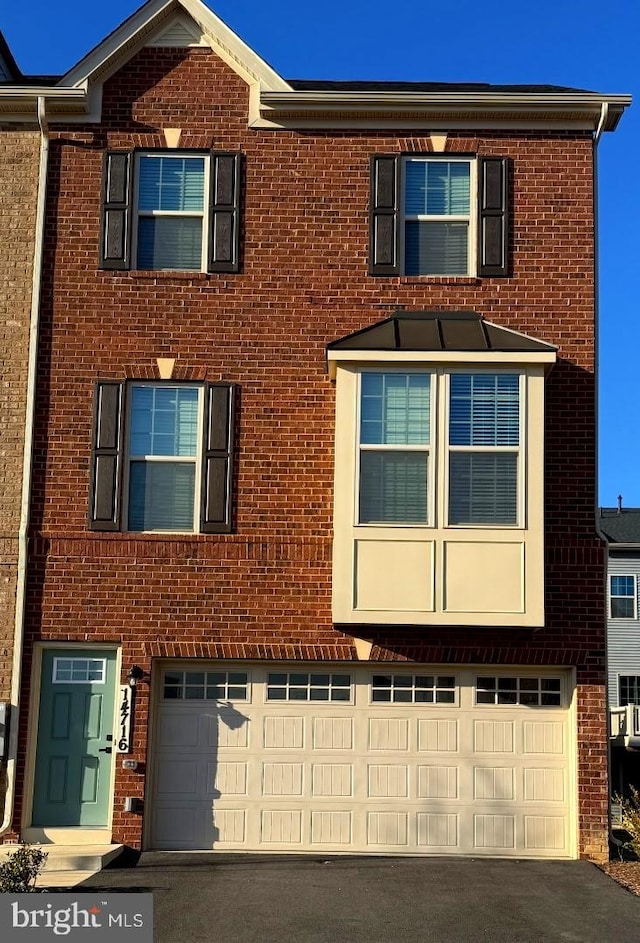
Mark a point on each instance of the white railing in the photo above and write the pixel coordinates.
(625, 721)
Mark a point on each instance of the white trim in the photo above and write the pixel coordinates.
(634, 596)
(487, 358)
(203, 214)
(101, 680)
(195, 459)
(153, 18)
(470, 218)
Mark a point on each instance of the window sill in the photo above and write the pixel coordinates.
(144, 275)
(439, 279)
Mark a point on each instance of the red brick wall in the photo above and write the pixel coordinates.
(264, 591)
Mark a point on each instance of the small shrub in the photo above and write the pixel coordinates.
(19, 872)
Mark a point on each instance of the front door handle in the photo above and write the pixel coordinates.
(104, 750)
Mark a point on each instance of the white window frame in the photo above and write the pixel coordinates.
(518, 677)
(508, 449)
(187, 214)
(195, 460)
(633, 577)
(310, 686)
(471, 219)
(427, 449)
(437, 675)
(439, 449)
(227, 685)
(72, 658)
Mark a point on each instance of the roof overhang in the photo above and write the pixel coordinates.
(444, 337)
(19, 103)
(439, 110)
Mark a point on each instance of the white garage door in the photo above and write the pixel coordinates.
(431, 760)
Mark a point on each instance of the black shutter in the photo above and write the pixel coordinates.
(115, 238)
(493, 217)
(384, 235)
(217, 471)
(106, 458)
(224, 212)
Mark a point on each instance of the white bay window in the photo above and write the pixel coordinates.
(439, 471)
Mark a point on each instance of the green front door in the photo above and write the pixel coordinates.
(75, 738)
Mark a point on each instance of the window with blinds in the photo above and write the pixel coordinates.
(394, 447)
(171, 211)
(398, 451)
(437, 217)
(163, 449)
(484, 445)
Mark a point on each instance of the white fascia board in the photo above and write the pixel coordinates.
(489, 358)
(19, 103)
(557, 108)
(128, 38)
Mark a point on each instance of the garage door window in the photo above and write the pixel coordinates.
(206, 686)
(284, 686)
(413, 689)
(530, 692)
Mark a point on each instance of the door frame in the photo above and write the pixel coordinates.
(70, 835)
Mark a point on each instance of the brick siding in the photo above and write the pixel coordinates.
(264, 591)
(19, 156)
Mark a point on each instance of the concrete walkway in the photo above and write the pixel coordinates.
(257, 899)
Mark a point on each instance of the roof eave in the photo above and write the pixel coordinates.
(20, 102)
(556, 107)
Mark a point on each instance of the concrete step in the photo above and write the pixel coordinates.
(68, 865)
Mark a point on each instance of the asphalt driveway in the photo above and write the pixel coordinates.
(257, 899)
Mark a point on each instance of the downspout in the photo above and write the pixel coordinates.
(27, 463)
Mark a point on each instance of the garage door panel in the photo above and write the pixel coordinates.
(333, 780)
(493, 736)
(227, 779)
(388, 733)
(438, 831)
(437, 736)
(332, 828)
(358, 774)
(544, 785)
(283, 733)
(543, 737)
(437, 782)
(332, 733)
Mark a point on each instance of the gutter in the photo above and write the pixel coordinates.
(21, 586)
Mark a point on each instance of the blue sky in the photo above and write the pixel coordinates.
(580, 43)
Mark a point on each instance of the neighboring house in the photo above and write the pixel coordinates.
(307, 494)
(20, 162)
(621, 527)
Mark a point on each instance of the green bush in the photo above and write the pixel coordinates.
(627, 828)
(19, 872)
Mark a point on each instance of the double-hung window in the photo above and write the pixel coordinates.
(171, 210)
(484, 446)
(394, 447)
(162, 457)
(444, 215)
(438, 237)
(398, 453)
(622, 597)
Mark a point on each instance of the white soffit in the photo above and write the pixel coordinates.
(147, 26)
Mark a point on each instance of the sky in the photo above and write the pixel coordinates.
(580, 43)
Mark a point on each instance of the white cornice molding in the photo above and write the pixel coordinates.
(443, 109)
